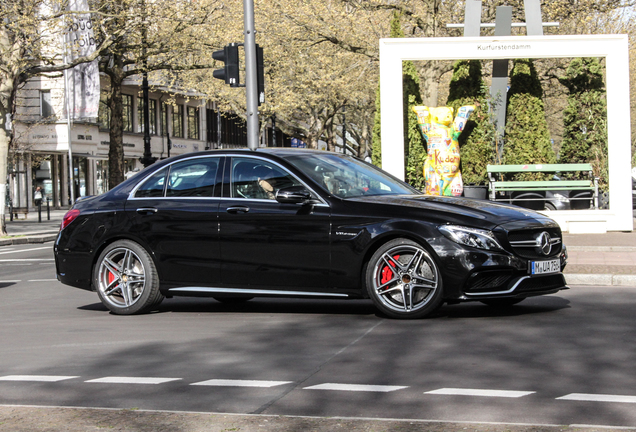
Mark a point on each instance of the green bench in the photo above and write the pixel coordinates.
(496, 173)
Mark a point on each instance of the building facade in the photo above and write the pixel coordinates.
(43, 155)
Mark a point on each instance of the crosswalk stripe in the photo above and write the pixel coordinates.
(131, 380)
(479, 392)
(240, 383)
(355, 387)
(598, 398)
(36, 378)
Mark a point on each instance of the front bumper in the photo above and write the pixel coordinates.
(478, 275)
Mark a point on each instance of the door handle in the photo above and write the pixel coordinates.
(238, 209)
(146, 210)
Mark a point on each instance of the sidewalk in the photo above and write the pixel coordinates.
(23, 230)
(594, 259)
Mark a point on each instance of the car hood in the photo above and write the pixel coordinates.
(482, 213)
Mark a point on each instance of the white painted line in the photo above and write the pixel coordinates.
(10, 281)
(27, 259)
(478, 392)
(240, 383)
(25, 250)
(131, 380)
(42, 280)
(355, 387)
(36, 378)
(598, 398)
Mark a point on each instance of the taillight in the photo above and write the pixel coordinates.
(69, 217)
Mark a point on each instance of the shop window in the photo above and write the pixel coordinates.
(152, 114)
(101, 173)
(164, 119)
(177, 121)
(127, 103)
(193, 122)
(46, 105)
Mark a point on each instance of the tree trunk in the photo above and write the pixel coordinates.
(116, 133)
(7, 94)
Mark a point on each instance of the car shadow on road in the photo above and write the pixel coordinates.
(529, 306)
(343, 307)
(6, 284)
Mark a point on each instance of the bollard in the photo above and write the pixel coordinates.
(11, 211)
(48, 209)
(40, 211)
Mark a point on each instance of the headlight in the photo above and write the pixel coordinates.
(473, 237)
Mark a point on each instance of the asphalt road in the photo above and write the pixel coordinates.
(565, 359)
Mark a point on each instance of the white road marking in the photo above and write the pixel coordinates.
(480, 392)
(355, 387)
(42, 280)
(240, 383)
(10, 281)
(598, 398)
(25, 250)
(27, 259)
(36, 378)
(131, 380)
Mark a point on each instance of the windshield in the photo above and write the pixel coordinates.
(347, 177)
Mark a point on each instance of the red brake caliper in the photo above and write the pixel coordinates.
(387, 273)
(111, 278)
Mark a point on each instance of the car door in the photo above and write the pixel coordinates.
(267, 244)
(174, 213)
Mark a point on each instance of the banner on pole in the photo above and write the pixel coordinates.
(82, 88)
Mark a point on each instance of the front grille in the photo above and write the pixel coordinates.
(542, 283)
(488, 281)
(523, 243)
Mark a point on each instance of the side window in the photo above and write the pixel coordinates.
(153, 186)
(258, 179)
(193, 178)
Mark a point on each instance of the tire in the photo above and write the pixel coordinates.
(126, 280)
(549, 207)
(233, 299)
(402, 269)
(502, 303)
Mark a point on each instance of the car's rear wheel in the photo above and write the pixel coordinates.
(126, 279)
(403, 280)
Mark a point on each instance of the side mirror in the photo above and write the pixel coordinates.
(293, 195)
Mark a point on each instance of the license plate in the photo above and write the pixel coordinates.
(544, 267)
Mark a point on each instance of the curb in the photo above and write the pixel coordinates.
(27, 240)
(601, 279)
(601, 248)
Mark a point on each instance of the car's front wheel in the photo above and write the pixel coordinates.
(126, 279)
(403, 280)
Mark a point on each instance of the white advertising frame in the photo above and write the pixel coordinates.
(614, 48)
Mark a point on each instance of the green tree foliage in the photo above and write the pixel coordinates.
(527, 140)
(585, 118)
(477, 142)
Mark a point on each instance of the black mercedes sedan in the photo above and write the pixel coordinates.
(236, 224)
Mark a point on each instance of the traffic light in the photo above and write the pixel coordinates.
(230, 73)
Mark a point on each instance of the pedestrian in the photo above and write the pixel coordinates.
(37, 196)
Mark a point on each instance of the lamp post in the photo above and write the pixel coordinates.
(147, 158)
